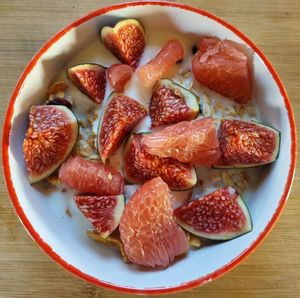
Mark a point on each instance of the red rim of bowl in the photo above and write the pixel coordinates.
(48, 250)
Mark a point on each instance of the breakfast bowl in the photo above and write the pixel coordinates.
(63, 237)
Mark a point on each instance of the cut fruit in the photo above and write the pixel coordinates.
(104, 212)
(188, 141)
(171, 103)
(246, 144)
(118, 75)
(140, 166)
(90, 79)
(51, 136)
(222, 66)
(120, 116)
(125, 40)
(91, 176)
(148, 230)
(156, 68)
(220, 215)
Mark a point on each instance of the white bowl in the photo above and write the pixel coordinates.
(63, 238)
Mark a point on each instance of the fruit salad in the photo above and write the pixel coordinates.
(154, 142)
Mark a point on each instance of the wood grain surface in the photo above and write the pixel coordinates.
(273, 270)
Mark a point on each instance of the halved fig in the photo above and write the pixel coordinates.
(140, 166)
(90, 79)
(118, 75)
(171, 103)
(246, 144)
(51, 136)
(120, 116)
(91, 176)
(126, 40)
(104, 212)
(220, 215)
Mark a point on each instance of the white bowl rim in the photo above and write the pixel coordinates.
(47, 248)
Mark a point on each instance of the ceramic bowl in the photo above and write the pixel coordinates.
(63, 239)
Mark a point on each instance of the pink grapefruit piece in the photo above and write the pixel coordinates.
(91, 176)
(156, 68)
(150, 235)
(193, 141)
(222, 66)
(118, 75)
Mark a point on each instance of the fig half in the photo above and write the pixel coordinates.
(246, 144)
(104, 212)
(120, 116)
(220, 215)
(125, 40)
(90, 79)
(171, 103)
(51, 136)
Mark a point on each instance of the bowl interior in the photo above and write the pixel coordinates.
(66, 235)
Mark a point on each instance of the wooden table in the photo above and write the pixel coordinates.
(271, 271)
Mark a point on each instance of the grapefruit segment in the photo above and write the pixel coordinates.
(156, 68)
(140, 166)
(148, 230)
(223, 67)
(51, 136)
(91, 176)
(118, 75)
(188, 141)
